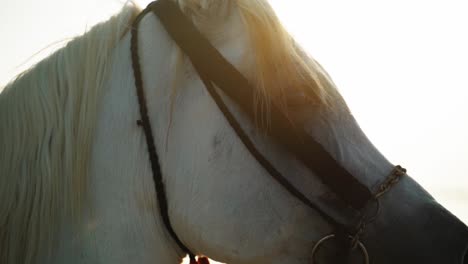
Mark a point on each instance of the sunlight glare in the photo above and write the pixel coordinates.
(401, 66)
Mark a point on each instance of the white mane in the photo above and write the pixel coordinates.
(47, 118)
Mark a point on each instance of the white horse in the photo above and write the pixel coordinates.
(76, 184)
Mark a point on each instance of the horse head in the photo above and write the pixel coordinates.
(397, 231)
(220, 200)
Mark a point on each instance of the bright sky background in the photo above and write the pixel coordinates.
(402, 66)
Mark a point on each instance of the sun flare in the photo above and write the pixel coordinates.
(404, 79)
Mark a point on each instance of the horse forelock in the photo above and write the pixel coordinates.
(48, 116)
(276, 66)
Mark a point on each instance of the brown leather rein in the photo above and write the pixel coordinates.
(214, 69)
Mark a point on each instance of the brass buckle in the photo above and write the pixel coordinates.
(329, 237)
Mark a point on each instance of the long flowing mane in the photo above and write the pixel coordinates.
(47, 118)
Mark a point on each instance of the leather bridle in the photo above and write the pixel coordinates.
(362, 204)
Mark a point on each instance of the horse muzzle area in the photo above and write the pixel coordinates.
(439, 238)
(411, 228)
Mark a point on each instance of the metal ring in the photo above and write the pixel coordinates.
(328, 237)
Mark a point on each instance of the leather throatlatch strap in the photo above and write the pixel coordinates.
(145, 124)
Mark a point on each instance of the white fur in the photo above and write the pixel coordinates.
(222, 203)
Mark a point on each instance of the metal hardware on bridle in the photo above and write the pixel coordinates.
(354, 240)
(214, 69)
(365, 220)
(317, 246)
